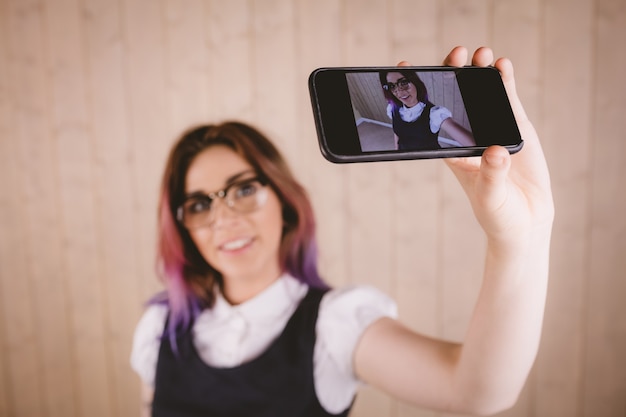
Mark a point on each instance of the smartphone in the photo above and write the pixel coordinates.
(365, 114)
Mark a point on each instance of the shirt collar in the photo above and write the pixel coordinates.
(410, 114)
(281, 296)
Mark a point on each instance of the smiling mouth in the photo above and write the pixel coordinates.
(236, 244)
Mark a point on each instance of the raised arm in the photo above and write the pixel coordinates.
(512, 201)
(458, 132)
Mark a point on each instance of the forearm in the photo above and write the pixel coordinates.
(147, 395)
(458, 132)
(505, 329)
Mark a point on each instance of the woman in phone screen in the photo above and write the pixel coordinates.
(416, 121)
(247, 327)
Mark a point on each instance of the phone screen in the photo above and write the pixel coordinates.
(369, 114)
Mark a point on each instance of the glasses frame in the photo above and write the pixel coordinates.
(393, 87)
(221, 194)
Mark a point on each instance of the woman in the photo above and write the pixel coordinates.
(416, 121)
(249, 328)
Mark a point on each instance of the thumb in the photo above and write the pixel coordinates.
(492, 179)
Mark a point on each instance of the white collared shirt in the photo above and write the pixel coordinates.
(227, 335)
(438, 114)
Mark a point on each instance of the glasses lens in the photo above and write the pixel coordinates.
(195, 211)
(403, 84)
(246, 196)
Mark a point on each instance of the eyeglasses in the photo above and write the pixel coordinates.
(242, 197)
(402, 84)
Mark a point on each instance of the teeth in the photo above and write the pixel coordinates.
(236, 244)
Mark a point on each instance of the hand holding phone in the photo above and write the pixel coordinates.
(510, 196)
(390, 113)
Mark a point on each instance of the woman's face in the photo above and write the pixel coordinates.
(408, 97)
(243, 247)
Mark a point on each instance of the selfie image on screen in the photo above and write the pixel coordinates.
(408, 110)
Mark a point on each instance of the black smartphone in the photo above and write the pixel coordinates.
(367, 114)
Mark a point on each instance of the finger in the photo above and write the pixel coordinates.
(463, 163)
(457, 57)
(482, 57)
(404, 64)
(531, 159)
(464, 169)
(505, 67)
(492, 180)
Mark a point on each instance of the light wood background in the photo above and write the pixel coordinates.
(93, 92)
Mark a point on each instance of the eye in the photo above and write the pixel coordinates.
(403, 83)
(198, 205)
(246, 189)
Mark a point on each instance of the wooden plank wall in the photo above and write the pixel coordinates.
(93, 92)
